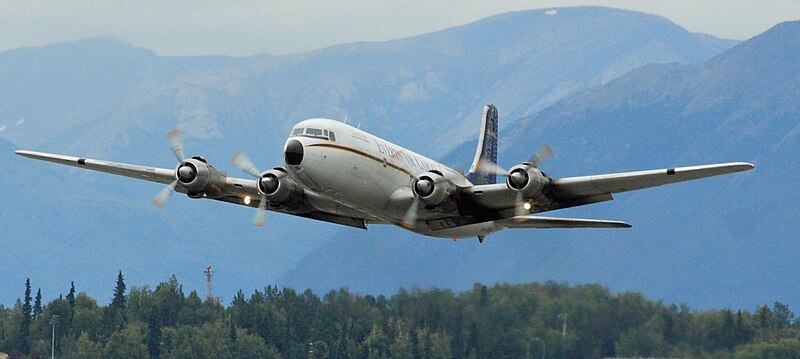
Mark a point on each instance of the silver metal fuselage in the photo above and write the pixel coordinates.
(371, 175)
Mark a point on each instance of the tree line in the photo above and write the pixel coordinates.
(503, 321)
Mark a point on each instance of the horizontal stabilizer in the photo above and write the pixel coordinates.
(554, 222)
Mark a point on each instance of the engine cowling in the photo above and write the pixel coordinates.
(432, 189)
(278, 187)
(200, 179)
(526, 179)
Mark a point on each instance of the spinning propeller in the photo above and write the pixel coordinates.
(186, 172)
(266, 184)
(422, 187)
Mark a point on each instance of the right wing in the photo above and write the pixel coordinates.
(577, 191)
(574, 187)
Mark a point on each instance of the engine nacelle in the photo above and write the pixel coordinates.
(432, 189)
(278, 187)
(526, 179)
(200, 179)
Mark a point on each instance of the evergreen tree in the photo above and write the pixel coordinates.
(744, 331)
(37, 304)
(728, 330)
(116, 311)
(118, 302)
(25, 323)
(71, 296)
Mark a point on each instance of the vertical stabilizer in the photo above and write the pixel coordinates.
(487, 149)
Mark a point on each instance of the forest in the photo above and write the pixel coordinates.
(552, 320)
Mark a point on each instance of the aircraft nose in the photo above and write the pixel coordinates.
(294, 153)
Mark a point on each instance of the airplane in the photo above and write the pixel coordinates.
(338, 173)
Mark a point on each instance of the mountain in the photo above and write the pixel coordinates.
(102, 98)
(727, 241)
(106, 98)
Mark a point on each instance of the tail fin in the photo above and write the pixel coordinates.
(487, 148)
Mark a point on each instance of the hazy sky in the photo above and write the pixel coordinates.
(184, 27)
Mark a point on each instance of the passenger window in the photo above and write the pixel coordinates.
(313, 132)
(297, 132)
(332, 136)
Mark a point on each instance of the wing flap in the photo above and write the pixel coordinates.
(152, 174)
(628, 181)
(555, 222)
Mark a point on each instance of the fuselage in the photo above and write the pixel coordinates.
(362, 171)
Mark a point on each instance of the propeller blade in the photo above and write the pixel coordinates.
(260, 218)
(245, 164)
(410, 220)
(543, 154)
(487, 166)
(176, 143)
(163, 196)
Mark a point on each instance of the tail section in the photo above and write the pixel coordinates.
(487, 149)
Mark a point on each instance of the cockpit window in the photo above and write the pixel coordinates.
(313, 132)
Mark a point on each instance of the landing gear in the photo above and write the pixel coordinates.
(481, 238)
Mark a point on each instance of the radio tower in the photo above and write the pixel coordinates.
(209, 297)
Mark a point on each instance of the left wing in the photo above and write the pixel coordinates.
(152, 174)
(228, 189)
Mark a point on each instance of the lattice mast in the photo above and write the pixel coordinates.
(210, 298)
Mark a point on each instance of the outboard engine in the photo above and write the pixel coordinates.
(526, 179)
(200, 179)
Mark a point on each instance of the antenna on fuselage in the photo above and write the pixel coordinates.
(359, 126)
(345, 119)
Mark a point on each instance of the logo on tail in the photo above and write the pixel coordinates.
(487, 149)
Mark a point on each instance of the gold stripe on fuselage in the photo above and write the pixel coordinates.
(381, 161)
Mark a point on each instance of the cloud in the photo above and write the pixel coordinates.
(244, 27)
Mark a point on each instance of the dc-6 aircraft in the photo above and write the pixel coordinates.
(338, 173)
